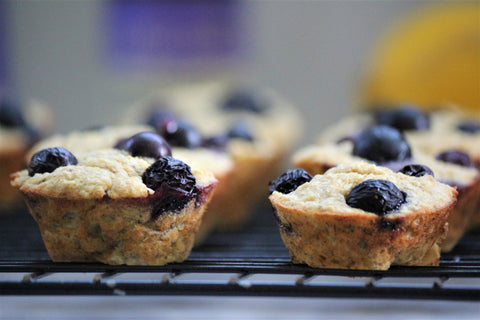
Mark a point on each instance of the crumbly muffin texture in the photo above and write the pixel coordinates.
(106, 173)
(327, 192)
(100, 210)
(321, 230)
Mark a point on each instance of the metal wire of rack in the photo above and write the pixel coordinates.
(250, 262)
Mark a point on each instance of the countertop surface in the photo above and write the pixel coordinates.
(185, 307)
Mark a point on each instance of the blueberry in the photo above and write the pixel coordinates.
(241, 130)
(377, 196)
(416, 170)
(11, 114)
(244, 100)
(469, 126)
(47, 160)
(456, 157)
(160, 119)
(381, 144)
(145, 144)
(182, 134)
(173, 180)
(290, 181)
(217, 142)
(406, 118)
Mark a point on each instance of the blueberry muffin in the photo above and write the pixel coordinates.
(442, 131)
(19, 128)
(361, 216)
(454, 133)
(386, 146)
(142, 139)
(111, 207)
(248, 123)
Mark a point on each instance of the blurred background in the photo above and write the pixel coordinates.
(92, 59)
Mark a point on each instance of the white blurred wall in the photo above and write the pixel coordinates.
(311, 51)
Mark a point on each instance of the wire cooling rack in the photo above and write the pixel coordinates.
(250, 262)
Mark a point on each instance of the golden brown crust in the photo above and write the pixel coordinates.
(115, 231)
(330, 234)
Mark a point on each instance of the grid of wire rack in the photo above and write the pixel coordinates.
(250, 262)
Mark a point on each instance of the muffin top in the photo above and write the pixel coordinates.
(333, 154)
(103, 173)
(88, 140)
(219, 163)
(327, 193)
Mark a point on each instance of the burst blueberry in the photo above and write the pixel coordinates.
(416, 170)
(47, 160)
(145, 144)
(173, 180)
(290, 181)
(381, 144)
(377, 196)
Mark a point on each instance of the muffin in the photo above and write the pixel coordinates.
(217, 162)
(395, 154)
(19, 128)
(440, 131)
(111, 207)
(249, 123)
(362, 216)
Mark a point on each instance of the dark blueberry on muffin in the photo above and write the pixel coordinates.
(217, 142)
(469, 126)
(182, 134)
(377, 196)
(381, 144)
(241, 130)
(145, 144)
(173, 180)
(47, 160)
(160, 119)
(456, 157)
(244, 100)
(416, 170)
(290, 181)
(405, 118)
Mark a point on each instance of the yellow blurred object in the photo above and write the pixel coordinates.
(432, 57)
